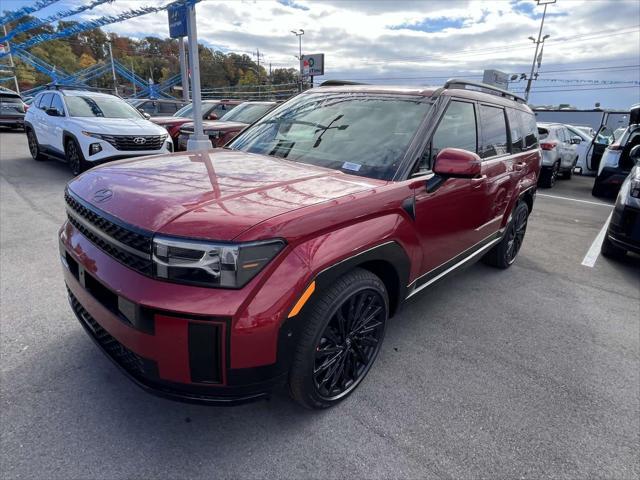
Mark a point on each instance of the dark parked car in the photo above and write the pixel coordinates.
(280, 258)
(211, 110)
(223, 130)
(12, 109)
(623, 234)
(157, 107)
(616, 162)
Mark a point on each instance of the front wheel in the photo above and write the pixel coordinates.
(75, 158)
(342, 338)
(504, 253)
(610, 250)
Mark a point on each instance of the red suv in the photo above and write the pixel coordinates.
(214, 276)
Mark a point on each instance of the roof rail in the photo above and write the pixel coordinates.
(338, 83)
(462, 83)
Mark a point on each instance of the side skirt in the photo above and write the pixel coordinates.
(456, 262)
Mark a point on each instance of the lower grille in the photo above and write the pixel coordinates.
(133, 363)
(135, 142)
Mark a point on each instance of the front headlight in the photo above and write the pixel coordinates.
(225, 265)
(634, 188)
(94, 135)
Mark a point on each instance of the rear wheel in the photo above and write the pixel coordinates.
(610, 250)
(504, 253)
(75, 159)
(567, 174)
(341, 340)
(598, 190)
(549, 176)
(34, 147)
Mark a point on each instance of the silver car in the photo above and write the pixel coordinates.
(559, 152)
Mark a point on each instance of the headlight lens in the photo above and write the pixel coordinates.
(225, 265)
(94, 135)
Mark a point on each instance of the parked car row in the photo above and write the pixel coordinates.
(12, 109)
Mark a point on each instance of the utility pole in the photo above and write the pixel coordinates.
(538, 42)
(258, 72)
(184, 70)
(299, 34)
(12, 65)
(197, 141)
(113, 70)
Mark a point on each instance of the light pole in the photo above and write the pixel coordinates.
(299, 34)
(113, 69)
(538, 42)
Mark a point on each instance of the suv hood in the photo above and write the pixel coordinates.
(118, 126)
(213, 195)
(216, 125)
(169, 120)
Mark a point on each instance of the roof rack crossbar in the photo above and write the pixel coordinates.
(338, 83)
(462, 83)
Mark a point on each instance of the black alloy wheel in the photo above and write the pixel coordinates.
(74, 158)
(343, 331)
(515, 234)
(349, 344)
(34, 149)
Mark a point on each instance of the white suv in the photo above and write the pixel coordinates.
(86, 128)
(559, 153)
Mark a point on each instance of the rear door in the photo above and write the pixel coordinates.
(57, 124)
(497, 170)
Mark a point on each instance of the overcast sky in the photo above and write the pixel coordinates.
(423, 42)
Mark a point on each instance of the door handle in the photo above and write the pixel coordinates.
(478, 181)
(519, 166)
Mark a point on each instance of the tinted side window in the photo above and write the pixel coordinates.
(516, 128)
(457, 129)
(167, 107)
(494, 132)
(45, 101)
(530, 130)
(148, 107)
(57, 104)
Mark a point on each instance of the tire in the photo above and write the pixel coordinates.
(75, 158)
(548, 177)
(336, 351)
(610, 250)
(34, 146)
(505, 252)
(598, 190)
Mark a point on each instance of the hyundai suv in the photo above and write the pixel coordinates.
(281, 257)
(87, 128)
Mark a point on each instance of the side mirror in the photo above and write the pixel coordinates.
(634, 154)
(212, 116)
(455, 162)
(575, 140)
(146, 115)
(53, 112)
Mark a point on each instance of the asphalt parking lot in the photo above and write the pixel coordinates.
(532, 372)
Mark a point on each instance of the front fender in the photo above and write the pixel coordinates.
(263, 320)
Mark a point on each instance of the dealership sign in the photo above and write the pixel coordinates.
(312, 65)
(177, 20)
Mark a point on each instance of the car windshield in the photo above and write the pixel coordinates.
(360, 134)
(185, 111)
(105, 107)
(246, 113)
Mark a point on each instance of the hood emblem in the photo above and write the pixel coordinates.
(140, 140)
(102, 195)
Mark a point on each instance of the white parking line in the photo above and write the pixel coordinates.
(590, 258)
(575, 200)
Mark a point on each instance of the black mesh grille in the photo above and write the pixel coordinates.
(130, 361)
(135, 142)
(135, 240)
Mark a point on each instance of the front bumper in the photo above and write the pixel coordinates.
(624, 228)
(179, 342)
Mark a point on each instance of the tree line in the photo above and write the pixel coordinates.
(149, 57)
